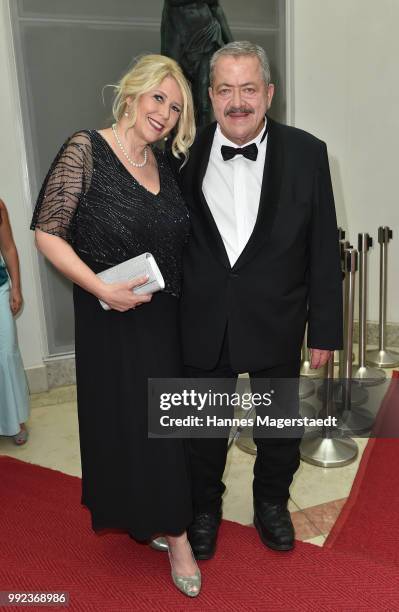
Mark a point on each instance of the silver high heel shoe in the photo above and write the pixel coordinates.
(189, 585)
(159, 544)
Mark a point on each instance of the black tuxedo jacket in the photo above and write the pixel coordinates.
(288, 273)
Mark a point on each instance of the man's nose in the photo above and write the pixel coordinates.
(236, 98)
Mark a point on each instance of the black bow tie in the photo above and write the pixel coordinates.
(250, 152)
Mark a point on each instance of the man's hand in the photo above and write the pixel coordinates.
(319, 357)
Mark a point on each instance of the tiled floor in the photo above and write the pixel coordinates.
(317, 494)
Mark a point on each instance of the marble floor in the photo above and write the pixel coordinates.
(317, 494)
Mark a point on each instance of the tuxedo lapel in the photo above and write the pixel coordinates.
(200, 163)
(269, 196)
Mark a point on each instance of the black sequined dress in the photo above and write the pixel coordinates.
(91, 200)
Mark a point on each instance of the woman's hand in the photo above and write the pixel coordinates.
(15, 300)
(120, 296)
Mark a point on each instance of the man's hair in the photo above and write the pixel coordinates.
(242, 48)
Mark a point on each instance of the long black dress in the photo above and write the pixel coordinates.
(89, 198)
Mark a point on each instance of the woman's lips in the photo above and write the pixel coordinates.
(155, 124)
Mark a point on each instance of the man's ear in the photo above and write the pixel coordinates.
(270, 94)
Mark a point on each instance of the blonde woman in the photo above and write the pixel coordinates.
(109, 196)
(14, 400)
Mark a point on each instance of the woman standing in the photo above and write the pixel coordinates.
(109, 196)
(14, 399)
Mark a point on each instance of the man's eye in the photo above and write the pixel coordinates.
(249, 90)
(224, 92)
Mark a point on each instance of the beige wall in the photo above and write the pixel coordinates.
(346, 91)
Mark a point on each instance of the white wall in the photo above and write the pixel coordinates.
(346, 91)
(14, 191)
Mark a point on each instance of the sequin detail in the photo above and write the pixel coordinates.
(89, 199)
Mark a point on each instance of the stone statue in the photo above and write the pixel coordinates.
(190, 33)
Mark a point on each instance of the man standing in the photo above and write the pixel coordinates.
(262, 260)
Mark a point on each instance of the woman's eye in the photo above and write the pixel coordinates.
(158, 97)
(176, 109)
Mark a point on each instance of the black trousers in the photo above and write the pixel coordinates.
(277, 458)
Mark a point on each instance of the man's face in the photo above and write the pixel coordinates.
(240, 97)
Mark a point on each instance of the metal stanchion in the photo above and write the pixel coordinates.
(245, 443)
(306, 387)
(365, 374)
(381, 357)
(359, 395)
(351, 261)
(358, 421)
(343, 246)
(306, 409)
(324, 450)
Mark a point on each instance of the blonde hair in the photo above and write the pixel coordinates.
(148, 72)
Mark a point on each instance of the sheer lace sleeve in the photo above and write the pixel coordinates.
(66, 182)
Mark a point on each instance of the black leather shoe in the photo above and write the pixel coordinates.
(202, 534)
(274, 526)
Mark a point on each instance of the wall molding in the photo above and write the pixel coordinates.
(60, 371)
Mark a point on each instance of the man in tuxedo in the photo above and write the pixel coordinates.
(262, 260)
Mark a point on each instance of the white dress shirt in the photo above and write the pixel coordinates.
(232, 191)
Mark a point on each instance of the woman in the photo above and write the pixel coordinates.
(14, 400)
(110, 196)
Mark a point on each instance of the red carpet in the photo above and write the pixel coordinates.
(46, 544)
(369, 521)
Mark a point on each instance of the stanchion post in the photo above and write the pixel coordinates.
(381, 357)
(325, 450)
(344, 245)
(358, 421)
(364, 374)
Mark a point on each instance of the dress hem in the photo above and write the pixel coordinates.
(147, 536)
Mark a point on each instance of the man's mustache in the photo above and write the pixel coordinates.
(237, 109)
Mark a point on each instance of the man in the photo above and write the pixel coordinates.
(261, 261)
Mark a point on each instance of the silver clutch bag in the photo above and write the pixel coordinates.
(141, 265)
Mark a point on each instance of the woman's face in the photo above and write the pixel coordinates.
(158, 111)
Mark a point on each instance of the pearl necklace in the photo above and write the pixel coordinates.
(125, 153)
